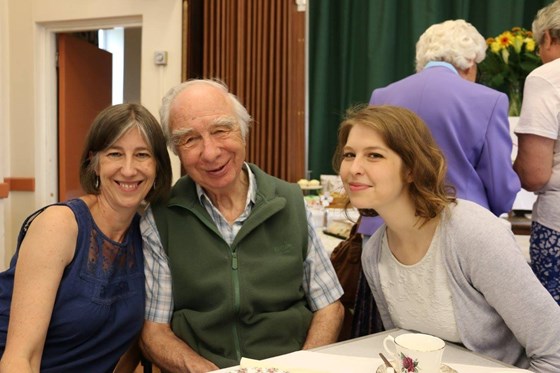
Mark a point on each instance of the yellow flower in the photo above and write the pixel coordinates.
(505, 55)
(517, 43)
(495, 47)
(505, 39)
(529, 44)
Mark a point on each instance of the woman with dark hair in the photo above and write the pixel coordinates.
(441, 265)
(72, 299)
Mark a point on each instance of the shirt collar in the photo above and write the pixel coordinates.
(441, 64)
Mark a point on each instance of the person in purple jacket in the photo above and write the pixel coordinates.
(469, 121)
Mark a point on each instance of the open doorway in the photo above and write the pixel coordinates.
(46, 128)
(125, 44)
(95, 69)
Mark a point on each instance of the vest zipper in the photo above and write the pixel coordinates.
(234, 260)
(235, 276)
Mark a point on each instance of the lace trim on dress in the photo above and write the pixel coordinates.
(109, 258)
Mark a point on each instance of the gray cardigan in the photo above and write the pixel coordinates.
(500, 307)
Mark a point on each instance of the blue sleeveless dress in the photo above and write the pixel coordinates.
(99, 307)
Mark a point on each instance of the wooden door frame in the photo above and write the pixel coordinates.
(46, 121)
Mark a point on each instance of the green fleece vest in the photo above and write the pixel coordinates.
(246, 300)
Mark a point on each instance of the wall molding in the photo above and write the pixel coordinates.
(4, 190)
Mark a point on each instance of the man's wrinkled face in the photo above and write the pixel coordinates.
(207, 137)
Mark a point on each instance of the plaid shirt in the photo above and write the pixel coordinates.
(320, 282)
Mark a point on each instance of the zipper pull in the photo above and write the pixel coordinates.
(234, 260)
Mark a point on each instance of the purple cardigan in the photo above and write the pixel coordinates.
(470, 123)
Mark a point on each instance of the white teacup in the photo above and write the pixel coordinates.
(415, 352)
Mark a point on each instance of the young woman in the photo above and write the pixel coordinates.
(73, 297)
(441, 265)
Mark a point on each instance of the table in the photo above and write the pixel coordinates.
(330, 242)
(361, 354)
(371, 345)
(520, 222)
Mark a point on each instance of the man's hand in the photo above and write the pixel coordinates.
(162, 347)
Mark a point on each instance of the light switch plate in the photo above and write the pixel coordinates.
(160, 57)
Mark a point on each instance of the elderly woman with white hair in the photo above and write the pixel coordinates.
(469, 121)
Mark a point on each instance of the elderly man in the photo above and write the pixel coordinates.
(249, 277)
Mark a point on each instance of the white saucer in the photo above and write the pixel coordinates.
(443, 369)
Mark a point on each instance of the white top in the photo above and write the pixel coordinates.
(501, 308)
(540, 115)
(424, 286)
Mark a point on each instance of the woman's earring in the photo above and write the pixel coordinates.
(154, 185)
(96, 182)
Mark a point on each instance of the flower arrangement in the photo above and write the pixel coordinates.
(510, 57)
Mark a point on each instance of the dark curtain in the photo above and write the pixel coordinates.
(356, 46)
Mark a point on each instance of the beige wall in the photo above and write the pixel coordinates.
(3, 115)
(28, 98)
